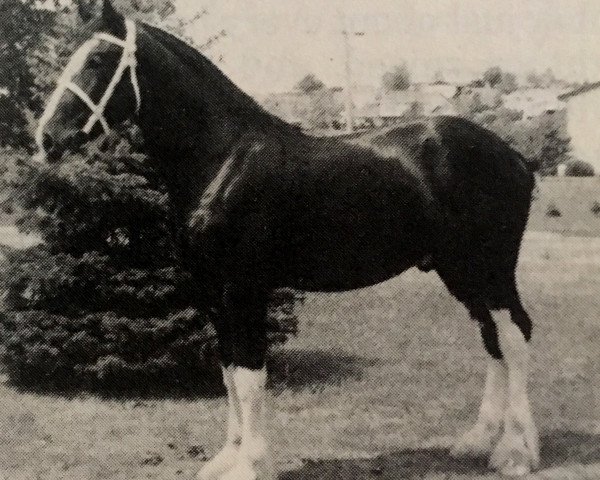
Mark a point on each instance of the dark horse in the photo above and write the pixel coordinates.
(263, 206)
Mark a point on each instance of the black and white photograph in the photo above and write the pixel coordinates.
(299, 239)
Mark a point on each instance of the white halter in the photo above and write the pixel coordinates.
(77, 62)
(127, 61)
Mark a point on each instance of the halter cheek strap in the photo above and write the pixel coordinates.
(128, 61)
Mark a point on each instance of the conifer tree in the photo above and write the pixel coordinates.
(105, 300)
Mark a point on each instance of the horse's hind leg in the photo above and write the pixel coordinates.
(480, 439)
(517, 452)
(505, 414)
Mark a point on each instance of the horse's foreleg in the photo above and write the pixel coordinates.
(246, 308)
(227, 457)
(254, 461)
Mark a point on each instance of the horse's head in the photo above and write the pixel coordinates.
(99, 87)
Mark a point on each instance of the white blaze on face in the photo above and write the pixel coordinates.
(75, 65)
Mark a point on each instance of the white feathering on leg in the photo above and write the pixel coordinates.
(227, 457)
(254, 461)
(480, 438)
(517, 452)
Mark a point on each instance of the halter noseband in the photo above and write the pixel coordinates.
(127, 61)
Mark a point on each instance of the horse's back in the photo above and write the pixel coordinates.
(374, 206)
(338, 215)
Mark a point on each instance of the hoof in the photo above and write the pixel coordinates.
(245, 469)
(513, 463)
(220, 464)
(477, 442)
(514, 456)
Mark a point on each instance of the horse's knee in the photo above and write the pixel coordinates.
(246, 313)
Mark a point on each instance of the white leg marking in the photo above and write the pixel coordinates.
(517, 452)
(479, 440)
(254, 462)
(227, 457)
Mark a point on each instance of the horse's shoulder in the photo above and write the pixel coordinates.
(241, 164)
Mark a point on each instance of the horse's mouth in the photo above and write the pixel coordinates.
(48, 156)
(54, 154)
(73, 145)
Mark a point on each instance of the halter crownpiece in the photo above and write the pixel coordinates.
(128, 61)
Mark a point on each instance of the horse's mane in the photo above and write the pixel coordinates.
(209, 72)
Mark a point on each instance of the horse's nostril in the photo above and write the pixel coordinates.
(47, 142)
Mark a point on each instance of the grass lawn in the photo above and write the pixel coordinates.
(375, 386)
(573, 199)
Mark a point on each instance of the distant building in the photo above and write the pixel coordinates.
(476, 96)
(533, 102)
(444, 89)
(293, 107)
(362, 95)
(399, 105)
(371, 106)
(583, 118)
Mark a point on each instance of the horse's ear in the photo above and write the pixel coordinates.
(97, 10)
(90, 9)
(100, 15)
(109, 14)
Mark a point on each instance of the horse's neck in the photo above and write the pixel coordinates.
(187, 135)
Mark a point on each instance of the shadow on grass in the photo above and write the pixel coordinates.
(405, 464)
(289, 369)
(564, 447)
(175, 385)
(307, 369)
(560, 448)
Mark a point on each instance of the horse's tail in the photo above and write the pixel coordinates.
(532, 167)
(532, 164)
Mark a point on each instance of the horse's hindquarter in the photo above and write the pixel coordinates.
(355, 217)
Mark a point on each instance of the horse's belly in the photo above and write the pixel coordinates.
(334, 260)
(354, 223)
(334, 279)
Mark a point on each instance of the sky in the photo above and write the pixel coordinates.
(271, 44)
